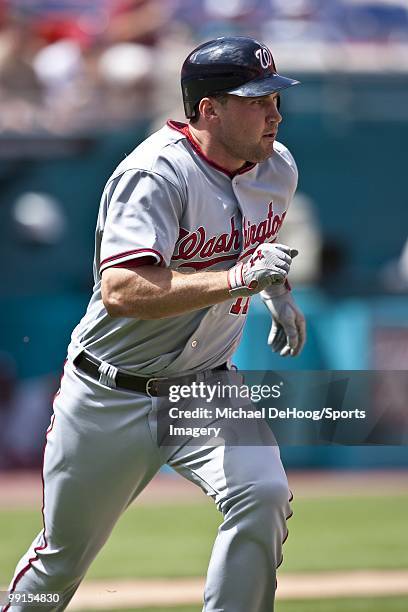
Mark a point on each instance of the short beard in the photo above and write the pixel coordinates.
(253, 154)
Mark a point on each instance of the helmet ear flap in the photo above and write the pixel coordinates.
(196, 115)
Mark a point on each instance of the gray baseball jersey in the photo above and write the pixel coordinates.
(168, 203)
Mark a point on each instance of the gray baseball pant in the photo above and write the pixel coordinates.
(101, 452)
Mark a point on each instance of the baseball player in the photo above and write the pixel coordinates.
(186, 234)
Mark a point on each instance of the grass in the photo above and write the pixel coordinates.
(148, 541)
(391, 604)
(346, 533)
(173, 541)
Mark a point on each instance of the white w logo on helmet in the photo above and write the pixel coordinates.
(264, 56)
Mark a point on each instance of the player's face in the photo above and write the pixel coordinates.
(248, 126)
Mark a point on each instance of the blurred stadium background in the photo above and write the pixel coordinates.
(82, 82)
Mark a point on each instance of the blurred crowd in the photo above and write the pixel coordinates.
(25, 411)
(73, 65)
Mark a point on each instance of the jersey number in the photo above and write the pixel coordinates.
(240, 306)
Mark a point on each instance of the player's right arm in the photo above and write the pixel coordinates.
(153, 292)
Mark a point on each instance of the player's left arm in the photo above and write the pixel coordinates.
(287, 335)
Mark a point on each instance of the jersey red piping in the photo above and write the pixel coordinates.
(135, 252)
(184, 129)
(130, 264)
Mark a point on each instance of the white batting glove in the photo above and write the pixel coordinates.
(269, 264)
(288, 330)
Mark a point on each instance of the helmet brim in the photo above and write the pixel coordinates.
(263, 87)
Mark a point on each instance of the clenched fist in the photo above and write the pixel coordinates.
(269, 264)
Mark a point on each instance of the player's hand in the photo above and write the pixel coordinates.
(269, 264)
(288, 330)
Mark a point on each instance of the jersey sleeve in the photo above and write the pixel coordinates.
(142, 220)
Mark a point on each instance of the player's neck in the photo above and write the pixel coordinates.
(214, 150)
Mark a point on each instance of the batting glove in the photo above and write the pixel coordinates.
(288, 330)
(269, 264)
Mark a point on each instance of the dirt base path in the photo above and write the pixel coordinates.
(114, 594)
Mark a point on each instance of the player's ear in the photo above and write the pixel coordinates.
(207, 108)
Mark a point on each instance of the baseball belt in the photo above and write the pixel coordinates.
(153, 386)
